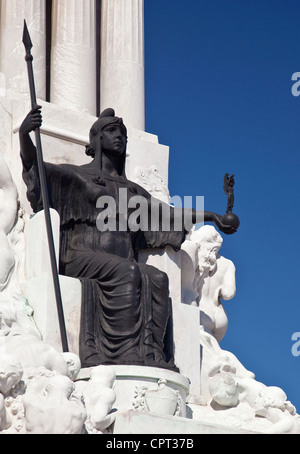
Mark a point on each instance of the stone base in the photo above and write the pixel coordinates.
(147, 388)
(140, 422)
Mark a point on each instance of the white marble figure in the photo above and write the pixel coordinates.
(38, 401)
(20, 338)
(214, 357)
(73, 364)
(8, 219)
(10, 375)
(248, 395)
(5, 421)
(207, 278)
(52, 406)
(99, 397)
(272, 404)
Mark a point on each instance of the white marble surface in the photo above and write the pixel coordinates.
(135, 422)
(122, 60)
(12, 51)
(73, 55)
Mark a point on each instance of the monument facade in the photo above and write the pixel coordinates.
(144, 308)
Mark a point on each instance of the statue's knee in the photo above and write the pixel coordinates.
(132, 273)
(161, 279)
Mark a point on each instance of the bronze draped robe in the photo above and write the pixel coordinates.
(126, 310)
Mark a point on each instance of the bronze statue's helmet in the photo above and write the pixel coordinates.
(107, 117)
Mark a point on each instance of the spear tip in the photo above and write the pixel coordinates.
(26, 38)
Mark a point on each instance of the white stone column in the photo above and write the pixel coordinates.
(73, 55)
(122, 60)
(12, 51)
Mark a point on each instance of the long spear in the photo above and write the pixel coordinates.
(44, 192)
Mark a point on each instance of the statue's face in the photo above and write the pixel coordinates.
(113, 140)
(10, 375)
(207, 255)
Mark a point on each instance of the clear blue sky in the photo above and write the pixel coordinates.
(218, 93)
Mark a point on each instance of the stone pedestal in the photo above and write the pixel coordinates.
(148, 389)
(137, 422)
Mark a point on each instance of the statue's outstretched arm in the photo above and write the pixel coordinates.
(209, 216)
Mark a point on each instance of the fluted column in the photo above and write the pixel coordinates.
(73, 55)
(122, 84)
(12, 52)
